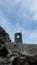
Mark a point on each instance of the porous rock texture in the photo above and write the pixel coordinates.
(4, 35)
(22, 54)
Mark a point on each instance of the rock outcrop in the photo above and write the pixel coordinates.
(22, 54)
(4, 36)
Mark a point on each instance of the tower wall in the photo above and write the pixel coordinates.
(18, 37)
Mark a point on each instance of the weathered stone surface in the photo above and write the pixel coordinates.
(4, 36)
(20, 54)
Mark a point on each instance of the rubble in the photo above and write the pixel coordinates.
(18, 54)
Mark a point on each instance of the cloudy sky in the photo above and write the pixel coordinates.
(19, 16)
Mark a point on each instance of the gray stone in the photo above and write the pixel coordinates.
(18, 54)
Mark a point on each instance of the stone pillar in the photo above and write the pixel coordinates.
(18, 37)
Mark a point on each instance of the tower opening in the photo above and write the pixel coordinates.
(18, 37)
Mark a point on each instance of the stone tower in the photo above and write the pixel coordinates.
(18, 37)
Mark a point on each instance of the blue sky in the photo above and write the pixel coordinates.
(19, 16)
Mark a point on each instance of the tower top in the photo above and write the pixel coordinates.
(18, 37)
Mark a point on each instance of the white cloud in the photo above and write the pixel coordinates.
(26, 8)
(34, 10)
